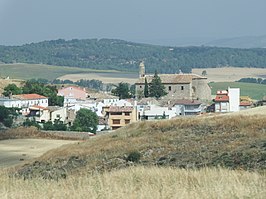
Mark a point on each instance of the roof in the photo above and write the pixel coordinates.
(36, 107)
(171, 78)
(245, 103)
(29, 96)
(187, 102)
(72, 87)
(120, 109)
(221, 98)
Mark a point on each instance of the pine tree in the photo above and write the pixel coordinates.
(146, 88)
(157, 89)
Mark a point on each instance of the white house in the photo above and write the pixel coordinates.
(151, 112)
(24, 101)
(50, 113)
(188, 107)
(227, 100)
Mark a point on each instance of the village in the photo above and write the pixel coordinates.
(186, 95)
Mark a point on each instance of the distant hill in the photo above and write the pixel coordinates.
(240, 42)
(112, 54)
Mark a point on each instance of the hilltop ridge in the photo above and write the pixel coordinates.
(113, 54)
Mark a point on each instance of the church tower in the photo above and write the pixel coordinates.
(141, 69)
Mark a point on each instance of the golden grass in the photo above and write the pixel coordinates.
(230, 74)
(142, 182)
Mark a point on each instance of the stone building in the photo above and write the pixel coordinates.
(178, 86)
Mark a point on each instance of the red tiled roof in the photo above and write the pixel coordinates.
(29, 96)
(221, 98)
(73, 87)
(245, 103)
(120, 109)
(171, 78)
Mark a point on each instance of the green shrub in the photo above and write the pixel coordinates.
(133, 156)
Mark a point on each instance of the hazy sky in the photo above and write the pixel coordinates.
(152, 21)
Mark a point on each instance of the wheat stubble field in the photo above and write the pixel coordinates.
(16, 151)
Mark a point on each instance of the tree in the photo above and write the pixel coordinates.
(204, 73)
(122, 91)
(33, 86)
(157, 89)
(12, 89)
(146, 88)
(7, 115)
(86, 120)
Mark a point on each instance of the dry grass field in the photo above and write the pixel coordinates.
(230, 74)
(114, 78)
(17, 151)
(225, 74)
(142, 182)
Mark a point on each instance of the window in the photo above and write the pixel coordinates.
(116, 121)
(58, 115)
(127, 113)
(182, 88)
(116, 113)
(140, 86)
(127, 121)
(169, 88)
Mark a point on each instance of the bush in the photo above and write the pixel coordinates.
(133, 156)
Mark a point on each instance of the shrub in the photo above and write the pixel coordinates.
(133, 156)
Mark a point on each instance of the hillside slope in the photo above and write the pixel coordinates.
(109, 54)
(229, 141)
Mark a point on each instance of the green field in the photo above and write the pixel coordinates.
(30, 71)
(255, 91)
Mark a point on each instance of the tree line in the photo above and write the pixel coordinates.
(253, 80)
(121, 55)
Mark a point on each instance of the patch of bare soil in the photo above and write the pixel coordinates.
(17, 151)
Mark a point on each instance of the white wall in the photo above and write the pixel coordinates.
(234, 99)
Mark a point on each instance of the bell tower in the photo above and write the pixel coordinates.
(141, 69)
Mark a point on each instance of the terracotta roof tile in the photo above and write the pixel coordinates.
(222, 98)
(171, 78)
(120, 109)
(29, 96)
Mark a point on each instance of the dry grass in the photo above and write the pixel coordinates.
(230, 74)
(142, 182)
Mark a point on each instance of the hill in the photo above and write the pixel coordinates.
(230, 141)
(255, 91)
(111, 54)
(240, 42)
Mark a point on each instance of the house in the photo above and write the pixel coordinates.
(50, 113)
(24, 101)
(119, 116)
(152, 112)
(222, 101)
(178, 86)
(72, 94)
(245, 102)
(227, 100)
(188, 107)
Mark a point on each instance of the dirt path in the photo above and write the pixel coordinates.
(17, 151)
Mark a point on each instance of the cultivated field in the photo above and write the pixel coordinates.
(115, 78)
(142, 182)
(230, 74)
(29, 71)
(16, 151)
(255, 91)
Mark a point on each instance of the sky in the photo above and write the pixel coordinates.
(163, 22)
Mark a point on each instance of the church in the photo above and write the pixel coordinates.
(178, 86)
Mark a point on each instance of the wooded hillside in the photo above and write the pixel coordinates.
(125, 56)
